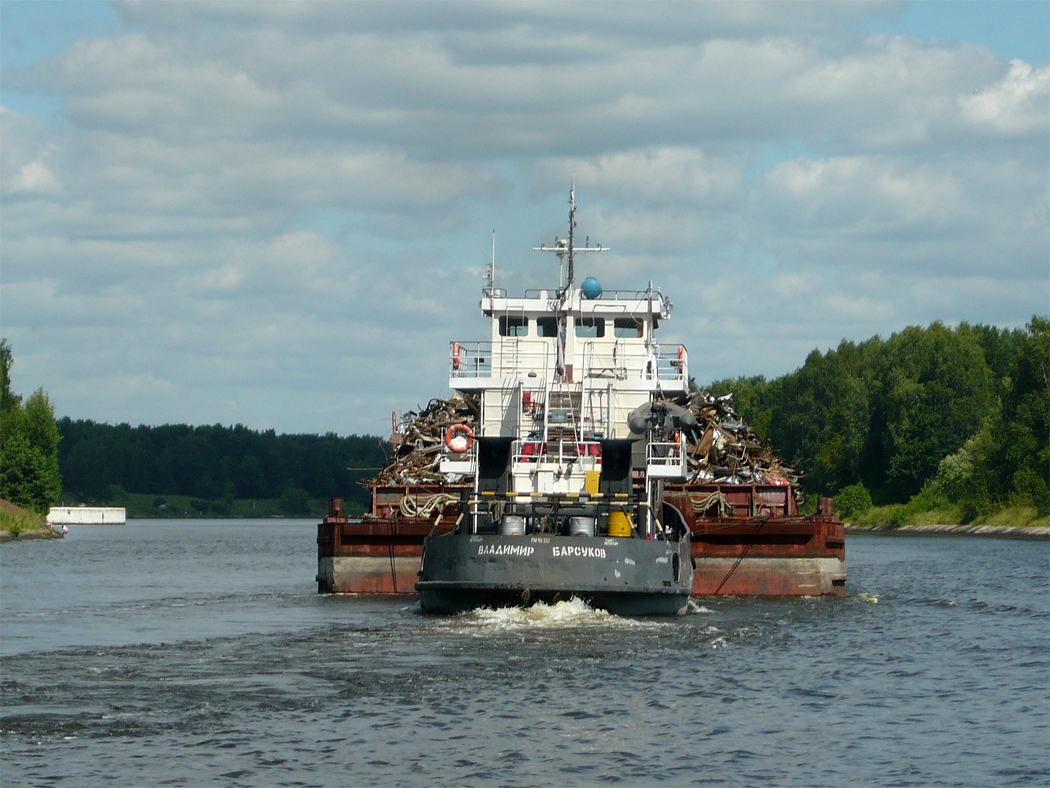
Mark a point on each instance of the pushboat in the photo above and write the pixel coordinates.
(574, 475)
(573, 445)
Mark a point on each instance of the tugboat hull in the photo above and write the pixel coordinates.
(631, 577)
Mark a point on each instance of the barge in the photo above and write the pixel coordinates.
(577, 469)
(736, 554)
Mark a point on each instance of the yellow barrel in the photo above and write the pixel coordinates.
(619, 524)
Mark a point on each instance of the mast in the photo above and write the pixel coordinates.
(492, 266)
(572, 227)
(567, 249)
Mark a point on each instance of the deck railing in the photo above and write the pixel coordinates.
(666, 460)
(555, 451)
(620, 360)
(503, 359)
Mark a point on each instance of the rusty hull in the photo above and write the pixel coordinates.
(762, 547)
(750, 540)
(376, 555)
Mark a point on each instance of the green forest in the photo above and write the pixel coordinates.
(207, 470)
(942, 424)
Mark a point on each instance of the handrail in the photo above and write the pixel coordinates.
(554, 451)
(514, 356)
(607, 295)
(666, 459)
(663, 453)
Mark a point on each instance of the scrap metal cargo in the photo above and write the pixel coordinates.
(740, 503)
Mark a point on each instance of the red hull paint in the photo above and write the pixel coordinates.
(787, 557)
(750, 541)
(375, 556)
(769, 577)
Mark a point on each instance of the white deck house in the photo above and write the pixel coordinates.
(561, 372)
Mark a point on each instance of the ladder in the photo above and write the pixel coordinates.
(562, 420)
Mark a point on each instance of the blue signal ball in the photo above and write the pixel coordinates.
(590, 288)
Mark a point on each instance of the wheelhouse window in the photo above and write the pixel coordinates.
(593, 327)
(513, 326)
(627, 327)
(547, 326)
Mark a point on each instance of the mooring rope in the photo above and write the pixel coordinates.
(410, 506)
(706, 503)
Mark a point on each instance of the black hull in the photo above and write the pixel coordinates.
(629, 577)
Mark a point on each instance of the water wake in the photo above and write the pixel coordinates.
(571, 614)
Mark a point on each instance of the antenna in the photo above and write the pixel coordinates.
(649, 318)
(572, 226)
(492, 265)
(568, 248)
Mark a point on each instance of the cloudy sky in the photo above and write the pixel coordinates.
(279, 214)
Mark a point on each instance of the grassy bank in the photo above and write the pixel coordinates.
(19, 523)
(900, 515)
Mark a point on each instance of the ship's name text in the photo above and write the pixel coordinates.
(505, 549)
(527, 550)
(579, 552)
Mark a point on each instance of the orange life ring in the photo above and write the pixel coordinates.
(459, 438)
(455, 355)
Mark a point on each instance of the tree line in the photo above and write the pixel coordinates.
(29, 467)
(212, 462)
(956, 415)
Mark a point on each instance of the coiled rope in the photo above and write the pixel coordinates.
(412, 507)
(703, 504)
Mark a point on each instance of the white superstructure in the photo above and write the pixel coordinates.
(562, 371)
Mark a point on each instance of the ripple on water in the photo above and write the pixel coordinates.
(261, 687)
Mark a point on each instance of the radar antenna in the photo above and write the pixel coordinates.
(491, 286)
(568, 249)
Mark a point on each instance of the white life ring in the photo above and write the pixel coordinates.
(459, 438)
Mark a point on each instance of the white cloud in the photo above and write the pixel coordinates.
(899, 213)
(1017, 106)
(651, 178)
(274, 213)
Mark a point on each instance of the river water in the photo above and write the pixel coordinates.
(188, 653)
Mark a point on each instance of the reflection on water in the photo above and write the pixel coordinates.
(194, 653)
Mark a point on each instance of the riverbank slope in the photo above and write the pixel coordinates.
(21, 524)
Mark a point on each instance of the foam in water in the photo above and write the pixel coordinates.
(540, 615)
(692, 608)
(573, 613)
